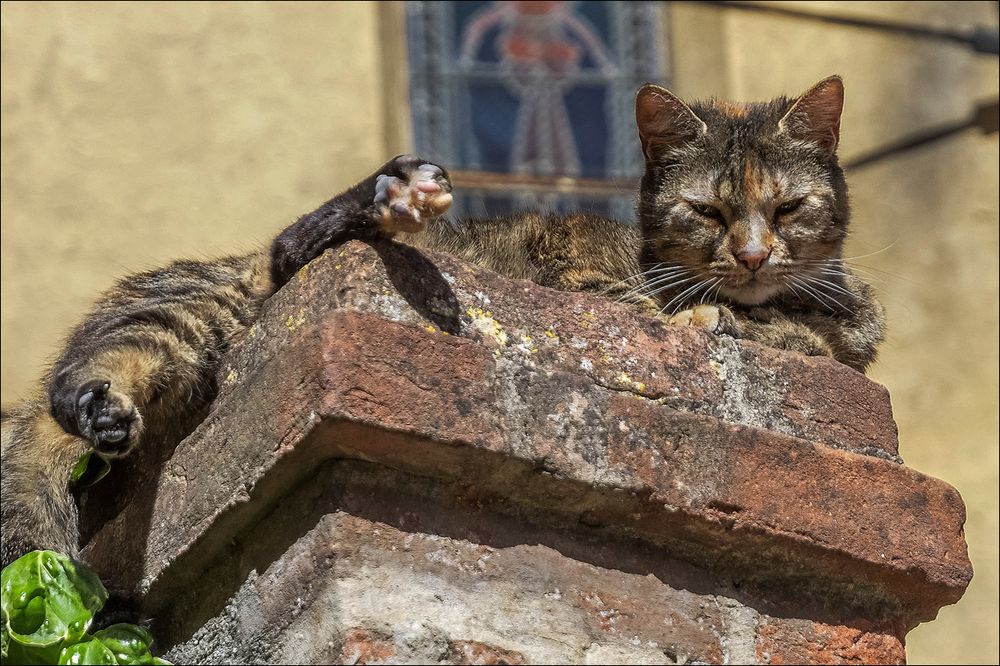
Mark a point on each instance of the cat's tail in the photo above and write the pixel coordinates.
(37, 510)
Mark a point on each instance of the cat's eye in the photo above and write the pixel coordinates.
(788, 207)
(710, 212)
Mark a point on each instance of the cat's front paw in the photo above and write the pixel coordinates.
(410, 193)
(105, 417)
(716, 319)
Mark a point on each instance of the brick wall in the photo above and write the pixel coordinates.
(414, 460)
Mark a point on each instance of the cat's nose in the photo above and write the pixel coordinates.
(753, 256)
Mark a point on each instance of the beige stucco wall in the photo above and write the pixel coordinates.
(136, 133)
(930, 217)
(132, 134)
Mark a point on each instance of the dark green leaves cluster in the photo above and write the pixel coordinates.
(48, 605)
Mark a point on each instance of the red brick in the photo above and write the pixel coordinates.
(474, 652)
(805, 642)
(360, 647)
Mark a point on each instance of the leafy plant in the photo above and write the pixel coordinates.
(47, 605)
(88, 470)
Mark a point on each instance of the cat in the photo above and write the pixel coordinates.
(743, 213)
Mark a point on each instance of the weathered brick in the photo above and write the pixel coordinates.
(356, 585)
(766, 482)
(475, 652)
(781, 641)
(360, 647)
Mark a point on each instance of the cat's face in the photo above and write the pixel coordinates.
(741, 202)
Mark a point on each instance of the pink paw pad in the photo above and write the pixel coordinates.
(407, 205)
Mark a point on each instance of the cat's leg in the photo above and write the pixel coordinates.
(37, 511)
(97, 396)
(401, 196)
(716, 319)
(850, 333)
(407, 202)
(149, 351)
(788, 335)
(770, 327)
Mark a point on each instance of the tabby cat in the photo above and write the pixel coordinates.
(743, 213)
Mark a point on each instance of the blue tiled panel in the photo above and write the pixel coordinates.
(541, 88)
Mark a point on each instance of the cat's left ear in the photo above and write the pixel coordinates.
(815, 116)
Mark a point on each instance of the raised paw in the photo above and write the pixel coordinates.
(410, 193)
(713, 318)
(106, 418)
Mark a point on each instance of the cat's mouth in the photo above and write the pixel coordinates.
(752, 288)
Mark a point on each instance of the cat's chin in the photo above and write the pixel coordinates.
(752, 293)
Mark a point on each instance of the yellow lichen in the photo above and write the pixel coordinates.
(625, 379)
(294, 323)
(484, 323)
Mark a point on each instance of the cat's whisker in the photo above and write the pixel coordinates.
(690, 292)
(788, 283)
(824, 299)
(722, 283)
(844, 273)
(838, 267)
(871, 254)
(709, 290)
(868, 269)
(638, 279)
(642, 277)
(660, 289)
(663, 273)
(811, 292)
(820, 283)
(694, 292)
(654, 287)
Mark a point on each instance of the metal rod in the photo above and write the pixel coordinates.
(984, 118)
(980, 39)
(505, 182)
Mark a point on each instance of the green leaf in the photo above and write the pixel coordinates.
(48, 605)
(48, 599)
(128, 643)
(88, 470)
(27, 654)
(87, 652)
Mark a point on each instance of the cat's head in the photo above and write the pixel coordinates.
(741, 197)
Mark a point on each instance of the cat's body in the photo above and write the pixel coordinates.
(143, 364)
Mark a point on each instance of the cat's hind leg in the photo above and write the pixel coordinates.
(37, 511)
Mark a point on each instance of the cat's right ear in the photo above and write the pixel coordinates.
(664, 121)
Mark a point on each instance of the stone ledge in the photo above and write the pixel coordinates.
(773, 476)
